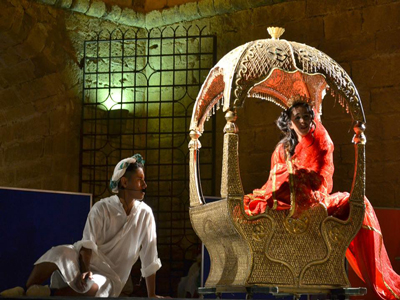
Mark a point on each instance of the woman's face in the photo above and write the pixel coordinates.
(300, 121)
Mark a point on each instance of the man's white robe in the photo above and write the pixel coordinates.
(116, 240)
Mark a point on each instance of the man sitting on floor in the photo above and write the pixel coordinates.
(118, 230)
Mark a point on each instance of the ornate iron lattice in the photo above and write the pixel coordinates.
(139, 88)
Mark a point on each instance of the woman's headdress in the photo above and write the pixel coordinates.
(120, 170)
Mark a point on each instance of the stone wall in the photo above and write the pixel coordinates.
(39, 96)
(41, 54)
(40, 82)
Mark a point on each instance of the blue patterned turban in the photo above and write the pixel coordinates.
(120, 170)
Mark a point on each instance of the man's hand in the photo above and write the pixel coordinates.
(84, 266)
(151, 287)
(81, 280)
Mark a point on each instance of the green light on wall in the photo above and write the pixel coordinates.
(118, 112)
(114, 100)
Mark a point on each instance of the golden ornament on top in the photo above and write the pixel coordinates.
(275, 32)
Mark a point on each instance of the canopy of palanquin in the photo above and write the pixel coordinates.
(274, 70)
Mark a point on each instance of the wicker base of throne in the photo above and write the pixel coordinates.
(274, 254)
(273, 251)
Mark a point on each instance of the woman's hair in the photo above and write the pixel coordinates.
(289, 139)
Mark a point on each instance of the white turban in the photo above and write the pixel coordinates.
(120, 170)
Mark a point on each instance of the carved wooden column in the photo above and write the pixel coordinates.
(231, 183)
(194, 180)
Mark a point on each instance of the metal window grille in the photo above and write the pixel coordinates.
(139, 88)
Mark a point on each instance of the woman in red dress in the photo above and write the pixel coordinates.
(306, 152)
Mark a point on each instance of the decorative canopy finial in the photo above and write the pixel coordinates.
(275, 32)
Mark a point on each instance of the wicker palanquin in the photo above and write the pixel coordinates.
(303, 255)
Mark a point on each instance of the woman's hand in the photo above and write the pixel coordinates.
(310, 178)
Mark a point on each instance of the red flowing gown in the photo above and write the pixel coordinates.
(312, 166)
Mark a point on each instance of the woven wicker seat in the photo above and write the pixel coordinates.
(272, 249)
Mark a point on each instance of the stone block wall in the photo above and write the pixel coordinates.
(41, 48)
(40, 81)
(39, 98)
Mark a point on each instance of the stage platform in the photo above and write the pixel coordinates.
(263, 292)
(81, 298)
(336, 295)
